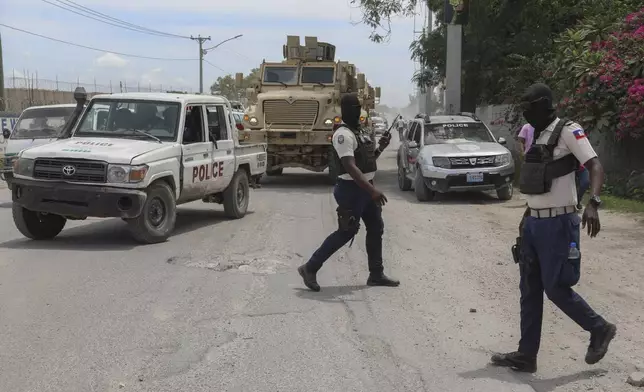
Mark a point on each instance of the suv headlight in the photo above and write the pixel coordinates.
(441, 162)
(502, 160)
(125, 173)
(23, 167)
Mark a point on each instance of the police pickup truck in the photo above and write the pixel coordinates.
(140, 158)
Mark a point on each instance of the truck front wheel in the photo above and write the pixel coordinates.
(159, 215)
(37, 225)
(237, 195)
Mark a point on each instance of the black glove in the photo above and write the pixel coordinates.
(384, 141)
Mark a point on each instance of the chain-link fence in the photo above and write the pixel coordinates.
(24, 91)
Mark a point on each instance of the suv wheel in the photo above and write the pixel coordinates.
(506, 192)
(422, 192)
(404, 183)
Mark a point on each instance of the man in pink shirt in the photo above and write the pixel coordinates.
(525, 137)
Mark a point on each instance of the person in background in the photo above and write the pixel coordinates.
(525, 138)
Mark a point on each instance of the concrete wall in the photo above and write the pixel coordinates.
(18, 99)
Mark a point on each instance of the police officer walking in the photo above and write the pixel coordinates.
(549, 256)
(355, 157)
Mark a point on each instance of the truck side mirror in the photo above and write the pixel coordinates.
(6, 133)
(361, 81)
(239, 79)
(378, 92)
(251, 93)
(502, 141)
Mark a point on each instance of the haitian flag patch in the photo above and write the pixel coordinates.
(579, 134)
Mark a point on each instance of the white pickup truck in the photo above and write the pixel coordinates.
(140, 158)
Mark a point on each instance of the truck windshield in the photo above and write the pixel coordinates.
(457, 133)
(42, 123)
(318, 75)
(130, 119)
(281, 75)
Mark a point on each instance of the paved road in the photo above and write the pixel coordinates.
(220, 306)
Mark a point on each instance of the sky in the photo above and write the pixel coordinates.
(264, 25)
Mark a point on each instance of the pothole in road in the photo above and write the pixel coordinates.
(253, 265)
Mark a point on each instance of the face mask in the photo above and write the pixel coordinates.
(351, 108)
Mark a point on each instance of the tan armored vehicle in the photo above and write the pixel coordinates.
(296, 104)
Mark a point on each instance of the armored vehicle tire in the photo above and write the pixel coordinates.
(506, 192)
(37, 225)
(275, 172)
(422, 192)
(158, 217)
(404, 183)
(236, 195)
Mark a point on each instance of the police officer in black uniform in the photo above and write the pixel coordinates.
(355, 157)
(548, 249)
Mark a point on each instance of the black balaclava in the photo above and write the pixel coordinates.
(350, 107)
(537, 107)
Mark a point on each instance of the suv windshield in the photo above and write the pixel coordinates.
(42, 123)
(282, 75)
(318, 75)
(456, 133)
(130, 119)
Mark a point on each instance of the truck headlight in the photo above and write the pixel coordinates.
(328, 122)
(441, 162)
(502, 160)
(253, 121)
(125, 173)
(23, 167)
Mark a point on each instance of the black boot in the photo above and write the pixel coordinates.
(309, 278)
(599, 340)
(381, 280)
(516, 361)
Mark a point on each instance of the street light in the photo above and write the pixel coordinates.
(203, 52)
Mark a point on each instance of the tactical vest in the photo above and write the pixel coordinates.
(540, 168)
(364, 155)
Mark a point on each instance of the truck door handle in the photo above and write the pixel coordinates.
(206, 155)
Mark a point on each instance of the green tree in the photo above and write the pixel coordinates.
(225, 85)
(506, 44)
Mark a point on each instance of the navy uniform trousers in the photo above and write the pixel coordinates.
(545, 267)
(350, 197)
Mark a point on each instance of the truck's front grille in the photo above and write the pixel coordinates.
(76, 170)
(300, 112)
(472, 162)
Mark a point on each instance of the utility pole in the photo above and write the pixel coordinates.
(429, 89)
(3, 106)
(456, 15)
(200, 40)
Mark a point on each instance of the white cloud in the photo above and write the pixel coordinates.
(110, 60)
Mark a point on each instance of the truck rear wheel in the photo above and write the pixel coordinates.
(237, 195)
(159, 215)
(275, 172)
(37, 225)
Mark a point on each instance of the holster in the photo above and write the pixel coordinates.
(516, 251)
(346, 220)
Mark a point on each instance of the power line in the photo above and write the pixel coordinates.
(104, 21)
(110, 20)
(215, 66)
(95, 49)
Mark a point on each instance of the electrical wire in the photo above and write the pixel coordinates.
(97, 49)
(83, 11)
(104, 21)
(215, 66)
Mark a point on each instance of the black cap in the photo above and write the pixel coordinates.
(537, 92)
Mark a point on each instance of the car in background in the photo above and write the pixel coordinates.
(453, 153)
(379, 125)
